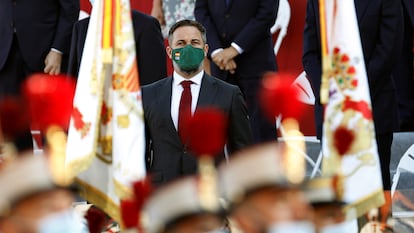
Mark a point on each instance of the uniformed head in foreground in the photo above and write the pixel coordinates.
(263, 194)
(325, 194)
(184, 206)
(31, 202)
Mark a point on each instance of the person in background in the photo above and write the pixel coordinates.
(168, 155)
(35, 38)
(168, 12)
(149, 45)
(241, 50)
(403, 73)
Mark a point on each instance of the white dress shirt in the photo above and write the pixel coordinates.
(177, 89)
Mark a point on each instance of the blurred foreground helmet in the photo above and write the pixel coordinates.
(175, 202)
(256, 167)
(23, 177)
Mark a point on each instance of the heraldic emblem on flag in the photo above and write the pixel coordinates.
(348, 144)
(106, 138)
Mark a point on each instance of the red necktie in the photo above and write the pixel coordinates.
(184, 111)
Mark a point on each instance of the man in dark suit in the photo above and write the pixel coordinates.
(380, 25)
(149, 45)
(35, 34)
(403, 73)
(169, 157)
(238, 34)
(34, 37)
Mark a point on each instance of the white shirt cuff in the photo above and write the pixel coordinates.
(237, 47)
(216, 51)
(55, 50)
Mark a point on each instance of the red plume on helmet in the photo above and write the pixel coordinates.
(49, 99)
(14, 119)
(207, 132)
(142, 190)
(279, 97)
(129, 213)
(96, 219)
(131, 208)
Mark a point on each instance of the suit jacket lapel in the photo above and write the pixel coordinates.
(361, 7)
(230, 2)
(208, 91)
(409, 6)
(165, 107)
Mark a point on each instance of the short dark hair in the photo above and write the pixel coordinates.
(191, 23)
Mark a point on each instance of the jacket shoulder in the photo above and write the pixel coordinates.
(155, 85)
(141, 17)
(221, 83)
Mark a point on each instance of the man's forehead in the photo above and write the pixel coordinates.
(186, 32)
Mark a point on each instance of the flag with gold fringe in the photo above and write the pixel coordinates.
(348, 145)
(106, 137)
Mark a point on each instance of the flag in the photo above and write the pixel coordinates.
(348, 145)
(106, 136)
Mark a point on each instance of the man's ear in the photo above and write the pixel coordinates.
(205, 50)
(168, 49)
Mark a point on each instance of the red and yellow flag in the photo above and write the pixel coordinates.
(106, 140)
(349, 147)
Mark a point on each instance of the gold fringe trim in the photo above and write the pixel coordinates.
(76, 166)
(102, 201)
(105, 159)
(363, 205)
(122, 191)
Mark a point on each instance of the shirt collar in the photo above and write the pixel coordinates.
(177, 79)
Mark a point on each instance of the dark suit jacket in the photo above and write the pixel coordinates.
(404, 69)
(150, 49)
(245, 22)
(170, 158)
(380, 25)
(409, 7)
(40, 25)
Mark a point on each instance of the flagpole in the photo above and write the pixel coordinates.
(326, 61)
(107, 32)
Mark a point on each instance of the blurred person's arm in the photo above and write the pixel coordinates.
(157, 11)
(202, 15)
(152, 58)
(388, 41)
(258, 27)
(311, 57)
(68, 15)
(53, 62)
(74, 57)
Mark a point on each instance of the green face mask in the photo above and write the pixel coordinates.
(188, 58)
